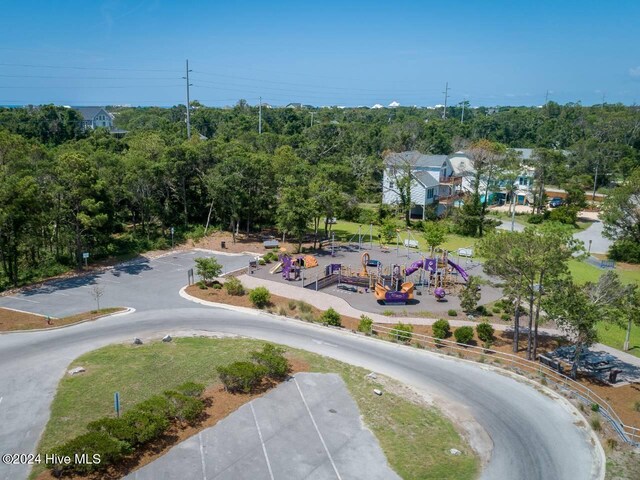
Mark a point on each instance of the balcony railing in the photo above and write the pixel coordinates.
(452, 180)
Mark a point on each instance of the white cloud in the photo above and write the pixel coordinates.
(634, 72)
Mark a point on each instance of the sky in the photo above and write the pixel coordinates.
(351, 53)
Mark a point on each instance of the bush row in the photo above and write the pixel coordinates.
(113, 438)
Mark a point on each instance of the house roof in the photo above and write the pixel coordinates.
(461, 164)
(426, 179)
(416, 159)
(89, 113)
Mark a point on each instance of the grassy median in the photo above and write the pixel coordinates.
(416, 438)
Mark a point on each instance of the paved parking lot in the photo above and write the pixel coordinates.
(307, 428)
(142, 284)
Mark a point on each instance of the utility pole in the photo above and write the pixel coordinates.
(464, 102)
(188, 103)
(446, 96)
(595, 181)
(312, 114)
(546, 97)
(604, 95)
(260, 118)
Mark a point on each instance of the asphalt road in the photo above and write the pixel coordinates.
(534, 436)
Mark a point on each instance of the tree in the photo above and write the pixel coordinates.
(435, 233)
(97, 291)
(470, 294)
(399, 168)
(294, 210)
(208, 268)
(570, 307)
(621, 212)
(388, 232)
(527, 261)
(484, 156)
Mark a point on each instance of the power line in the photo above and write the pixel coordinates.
(188, 102)
(115, 69)
(64, 77)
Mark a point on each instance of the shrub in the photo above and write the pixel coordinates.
(202, 285)
(483, 311)
(566, 214)
(307, 316)
(282, 311)
(262, 261)
(157, 405)
(535, 219)
(365, 324)
(273, 360)
(612, 443)
(505, 316)
(260, 297)
(452, 312)
(388, 313)
(110, 450)
(292, 305)
(187, 409)
(241, 376)
(117, 428)
(215, 286)
(595, 423)
(485, 332)
(208, 268)
(595, 407)
(636, 406)
(441, 328)
(147, 425)
(233, 286)
(463, 334)
(402, 332)
(304, 307)
(331, 317)
(625, 251)
(496, 309)
(190, 389)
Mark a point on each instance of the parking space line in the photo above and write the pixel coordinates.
(169, 263)
(204, 469)
(335, 469)
(23, 299)
(264, 449)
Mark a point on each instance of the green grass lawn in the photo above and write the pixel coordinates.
(415, 438)
(613, 335)
(583, 272)
(346, 230)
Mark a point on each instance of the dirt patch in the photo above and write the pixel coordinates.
(243, 243)
(11, 320)
(219, 404)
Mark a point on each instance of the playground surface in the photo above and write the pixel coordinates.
(350, 258)
(308, 427)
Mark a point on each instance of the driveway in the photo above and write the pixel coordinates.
(530, 431)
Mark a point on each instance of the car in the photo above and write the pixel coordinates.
(556, 202)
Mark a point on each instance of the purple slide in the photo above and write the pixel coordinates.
(430, 264)
(460, 270)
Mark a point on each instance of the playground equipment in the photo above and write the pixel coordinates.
(384, 294)
(276, 268)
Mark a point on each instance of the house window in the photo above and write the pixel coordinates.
(391, 184)
(430, 193)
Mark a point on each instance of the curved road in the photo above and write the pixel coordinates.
(534, 436)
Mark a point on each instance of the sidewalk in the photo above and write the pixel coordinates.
(323, 301)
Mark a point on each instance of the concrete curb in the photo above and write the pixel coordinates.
(598, 474)
(127, 311)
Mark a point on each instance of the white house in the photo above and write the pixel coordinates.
(432, 180)
(95, 117)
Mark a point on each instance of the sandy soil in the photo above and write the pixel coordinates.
(15, 320)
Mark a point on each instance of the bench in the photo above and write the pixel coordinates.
(271, 244)
(550, 362)
(410, 243)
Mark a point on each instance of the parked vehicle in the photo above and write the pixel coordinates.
(556, 202)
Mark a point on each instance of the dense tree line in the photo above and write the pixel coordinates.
(64, 191)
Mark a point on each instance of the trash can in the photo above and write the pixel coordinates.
(223, 244)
